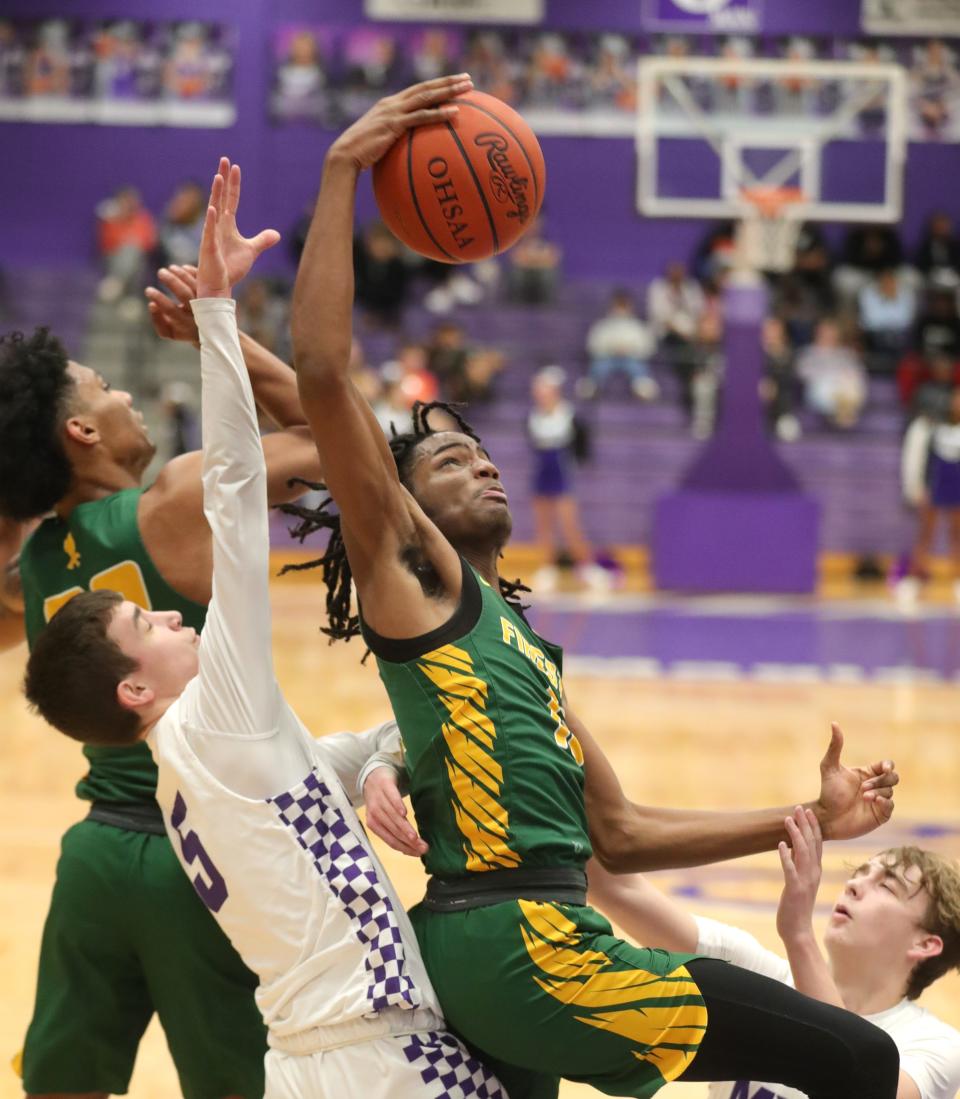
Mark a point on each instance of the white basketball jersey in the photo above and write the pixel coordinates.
(294, 884)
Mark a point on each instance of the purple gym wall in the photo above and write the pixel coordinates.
(55, 174)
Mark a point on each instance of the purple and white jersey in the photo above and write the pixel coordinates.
(257, 810)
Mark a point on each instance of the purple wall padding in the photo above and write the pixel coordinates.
(738, 521)
(55, 174)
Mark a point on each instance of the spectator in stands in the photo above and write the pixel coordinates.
(674, 308)
(534, 272)
(939, 251)
(382, 278)
(447, 355)
(415, 380)
(182, 225)
(780, 389)
(868, 250)
(558, 440)
(931, 482)
(126, 235)
(181, 418)
(262, 314)
(926, 381)
(938, 326)
(833, 375)
(813, 263)
(799, 306)
(619, 342)
(715, 253)
(390, 406)
(887, 308)
(700, 398)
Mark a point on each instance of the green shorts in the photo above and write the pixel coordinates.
(126, 935)
(544, 991)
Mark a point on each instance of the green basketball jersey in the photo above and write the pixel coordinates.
(99, 547)
(496, 777)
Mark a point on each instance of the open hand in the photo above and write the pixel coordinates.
(366, 141)
(172, 317)
(801, 861)
(853, 800)
(226, 256)
(387, 814)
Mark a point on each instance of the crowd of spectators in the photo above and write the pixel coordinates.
(838, 318)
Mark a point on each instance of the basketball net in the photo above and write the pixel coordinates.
(766, 238)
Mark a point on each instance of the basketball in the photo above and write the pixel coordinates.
(464, 189)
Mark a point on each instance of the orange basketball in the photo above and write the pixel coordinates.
(463, 189)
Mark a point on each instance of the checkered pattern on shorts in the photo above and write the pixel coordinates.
(448, 1070)
(344, 862)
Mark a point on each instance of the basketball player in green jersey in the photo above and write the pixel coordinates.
(126, 935)
(525, 971)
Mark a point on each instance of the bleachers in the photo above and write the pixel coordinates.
(639, 450)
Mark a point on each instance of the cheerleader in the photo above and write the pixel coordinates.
(930, 472)
(558, 440)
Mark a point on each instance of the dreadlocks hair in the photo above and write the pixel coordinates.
(35, 393)
(334, 566)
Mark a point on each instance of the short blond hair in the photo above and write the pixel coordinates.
(940, 879)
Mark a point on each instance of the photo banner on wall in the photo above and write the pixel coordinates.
(911, 17)
(584, 83)
(704, 16)
(457, 11)
(116, 72)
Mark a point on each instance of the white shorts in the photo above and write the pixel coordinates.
(426, 1065)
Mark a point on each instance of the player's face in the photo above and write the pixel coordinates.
(167, 652)
(880, 911)
(121, 428)
(459, 487)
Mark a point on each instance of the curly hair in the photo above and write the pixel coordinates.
(940, 880)
(334, 565)
(35, 392)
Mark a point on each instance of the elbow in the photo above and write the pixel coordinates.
(614, 845)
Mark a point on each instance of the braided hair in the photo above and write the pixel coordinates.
(334, 566)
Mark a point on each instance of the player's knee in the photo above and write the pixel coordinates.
(878, 1061)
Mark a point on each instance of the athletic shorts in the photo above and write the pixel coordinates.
(542, 991)
(425, 1065)
(126, 935)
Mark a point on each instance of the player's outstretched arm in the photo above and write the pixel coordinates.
(645, 913)
(629, 837)
(801, 860)
(379, 518)
(235, 690)
(274, 382)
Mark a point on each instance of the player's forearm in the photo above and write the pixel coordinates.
(274, 384)
(811, 975)
(354, 755)
(322, 315)
(641, 910)
(640, 838)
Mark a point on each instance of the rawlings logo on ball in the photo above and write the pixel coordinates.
(505, 183)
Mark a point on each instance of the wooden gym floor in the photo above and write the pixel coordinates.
(705, 744)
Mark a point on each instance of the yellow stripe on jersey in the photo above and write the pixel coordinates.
(667, 1031)
(475, 776)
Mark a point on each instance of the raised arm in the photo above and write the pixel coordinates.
(274, 382)
(235, 691)
(379, 518)
(629, 837)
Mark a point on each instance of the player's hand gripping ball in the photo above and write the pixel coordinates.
(466, 188)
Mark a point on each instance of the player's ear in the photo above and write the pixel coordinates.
(81, 429)
(925, 946)
(133, 695)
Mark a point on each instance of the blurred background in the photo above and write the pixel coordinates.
(718, 482)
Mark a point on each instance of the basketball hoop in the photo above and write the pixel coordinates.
(768, 230)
